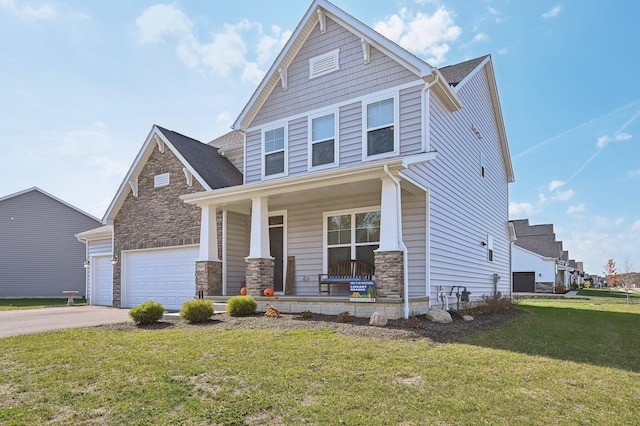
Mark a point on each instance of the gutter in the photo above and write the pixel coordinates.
(403, 247)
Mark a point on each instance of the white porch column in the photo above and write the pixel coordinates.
(209, 234)
(389, 234)
(260, 248)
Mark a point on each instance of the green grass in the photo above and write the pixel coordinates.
(562, 362)
(26, 303)
(617, 293)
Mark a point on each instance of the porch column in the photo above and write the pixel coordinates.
(208, 265)
(260, 264)
(389, 257)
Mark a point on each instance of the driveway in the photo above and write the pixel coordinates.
(28, 321)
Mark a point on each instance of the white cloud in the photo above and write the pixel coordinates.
(269, 45)
(580, 208)
(636, 226)
(555, 184)
(564, 195)
(605, 140)
(480, 37)
(633, 173)
(521, 210)
(225, 117)
(552, 13)
(160, 20)
(503, 51)
(252, 73)
(43, 12)
(422, 34)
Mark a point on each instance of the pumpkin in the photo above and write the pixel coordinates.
(268, 292)
(243, 291)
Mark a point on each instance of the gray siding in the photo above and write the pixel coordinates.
(253, 157)
(414, 234)
(350, 131)
(298, 140)
(40, 256)
(353, 79)
(237, 248)
(464, 206)
(411, 120)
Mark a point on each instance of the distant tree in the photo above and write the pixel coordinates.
(610, 272)
(626, 277)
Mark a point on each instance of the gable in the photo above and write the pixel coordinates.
(44, 197)
(319, 17)
(196, 163)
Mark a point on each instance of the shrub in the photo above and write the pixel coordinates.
(488, 305)
(147, 312)
(241, 306)
(306, 315)
(197, 310)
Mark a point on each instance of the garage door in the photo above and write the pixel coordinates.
(166, 276)
(524, 282)
(102, 280)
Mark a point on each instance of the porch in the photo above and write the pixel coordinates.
(333, 305)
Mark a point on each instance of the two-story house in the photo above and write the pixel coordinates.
(355, 149)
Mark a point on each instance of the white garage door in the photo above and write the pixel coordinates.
(167, 276)
(102, 279)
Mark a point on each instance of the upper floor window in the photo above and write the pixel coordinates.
(323, 150)
(380, 127)
(274, 151)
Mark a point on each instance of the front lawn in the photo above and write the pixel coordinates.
(610, 292)
(562, 362)
(27, 303)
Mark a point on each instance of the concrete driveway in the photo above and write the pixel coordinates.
(28, 321)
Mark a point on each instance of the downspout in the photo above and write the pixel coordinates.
(403, 247)
(425, 109)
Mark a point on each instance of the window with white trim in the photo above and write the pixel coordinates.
(274, 151)
(489, 248)
(323, 149)
(380, 127)
(161, 180)
(352, 235)
(324, 64)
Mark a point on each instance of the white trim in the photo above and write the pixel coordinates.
(188, 176)
(161, 180)
(133, 183)
(225, 218)
(366, 51)
(285, 247)
(324, 64)
(338, 105)
(344, 212)
(285, 126)
(311, 142)
(396, 120)
(92, 277)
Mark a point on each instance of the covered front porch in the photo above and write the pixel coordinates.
(282, 233)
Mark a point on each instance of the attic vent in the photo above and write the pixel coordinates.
(324, 64)
(161, 180)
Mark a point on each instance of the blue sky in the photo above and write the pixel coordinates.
(82, 83)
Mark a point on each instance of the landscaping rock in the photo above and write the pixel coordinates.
(467, 318)
(378, 319)
(439, 316)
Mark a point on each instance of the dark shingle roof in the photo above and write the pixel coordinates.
(455, 73)
(216, 170)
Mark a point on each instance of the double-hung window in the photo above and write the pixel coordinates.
(380, 127)
(274, 151)
(352, 235)
(323, 149)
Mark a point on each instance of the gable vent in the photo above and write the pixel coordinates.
(161, 180)
(324, 64)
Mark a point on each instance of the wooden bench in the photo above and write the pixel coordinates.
(342, 273)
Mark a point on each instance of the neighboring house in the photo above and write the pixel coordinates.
(354, 148)
(535, 248)
(149, 243)
(40, 257)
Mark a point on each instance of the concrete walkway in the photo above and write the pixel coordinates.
(29, 321)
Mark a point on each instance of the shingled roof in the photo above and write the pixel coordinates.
(215, 169)
(455, 73)
(234, 138)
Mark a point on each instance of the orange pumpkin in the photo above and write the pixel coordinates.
(243, 291)
(268, 292)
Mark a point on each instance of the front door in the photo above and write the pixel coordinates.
(276, 241)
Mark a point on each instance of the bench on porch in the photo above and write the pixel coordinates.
(342, 273)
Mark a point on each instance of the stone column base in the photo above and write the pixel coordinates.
(208, 278)
(259, 275)
(389, 274)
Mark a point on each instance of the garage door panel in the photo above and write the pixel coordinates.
(102, 281)
(166, 276)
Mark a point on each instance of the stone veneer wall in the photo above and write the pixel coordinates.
(389, 274)
(157, 217)
(208, 278)
(259, 275)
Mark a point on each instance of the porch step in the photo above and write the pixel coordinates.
(219, 307)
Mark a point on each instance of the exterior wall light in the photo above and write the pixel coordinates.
(87, 264)
(114, 260)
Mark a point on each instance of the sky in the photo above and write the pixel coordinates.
(82, 83)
